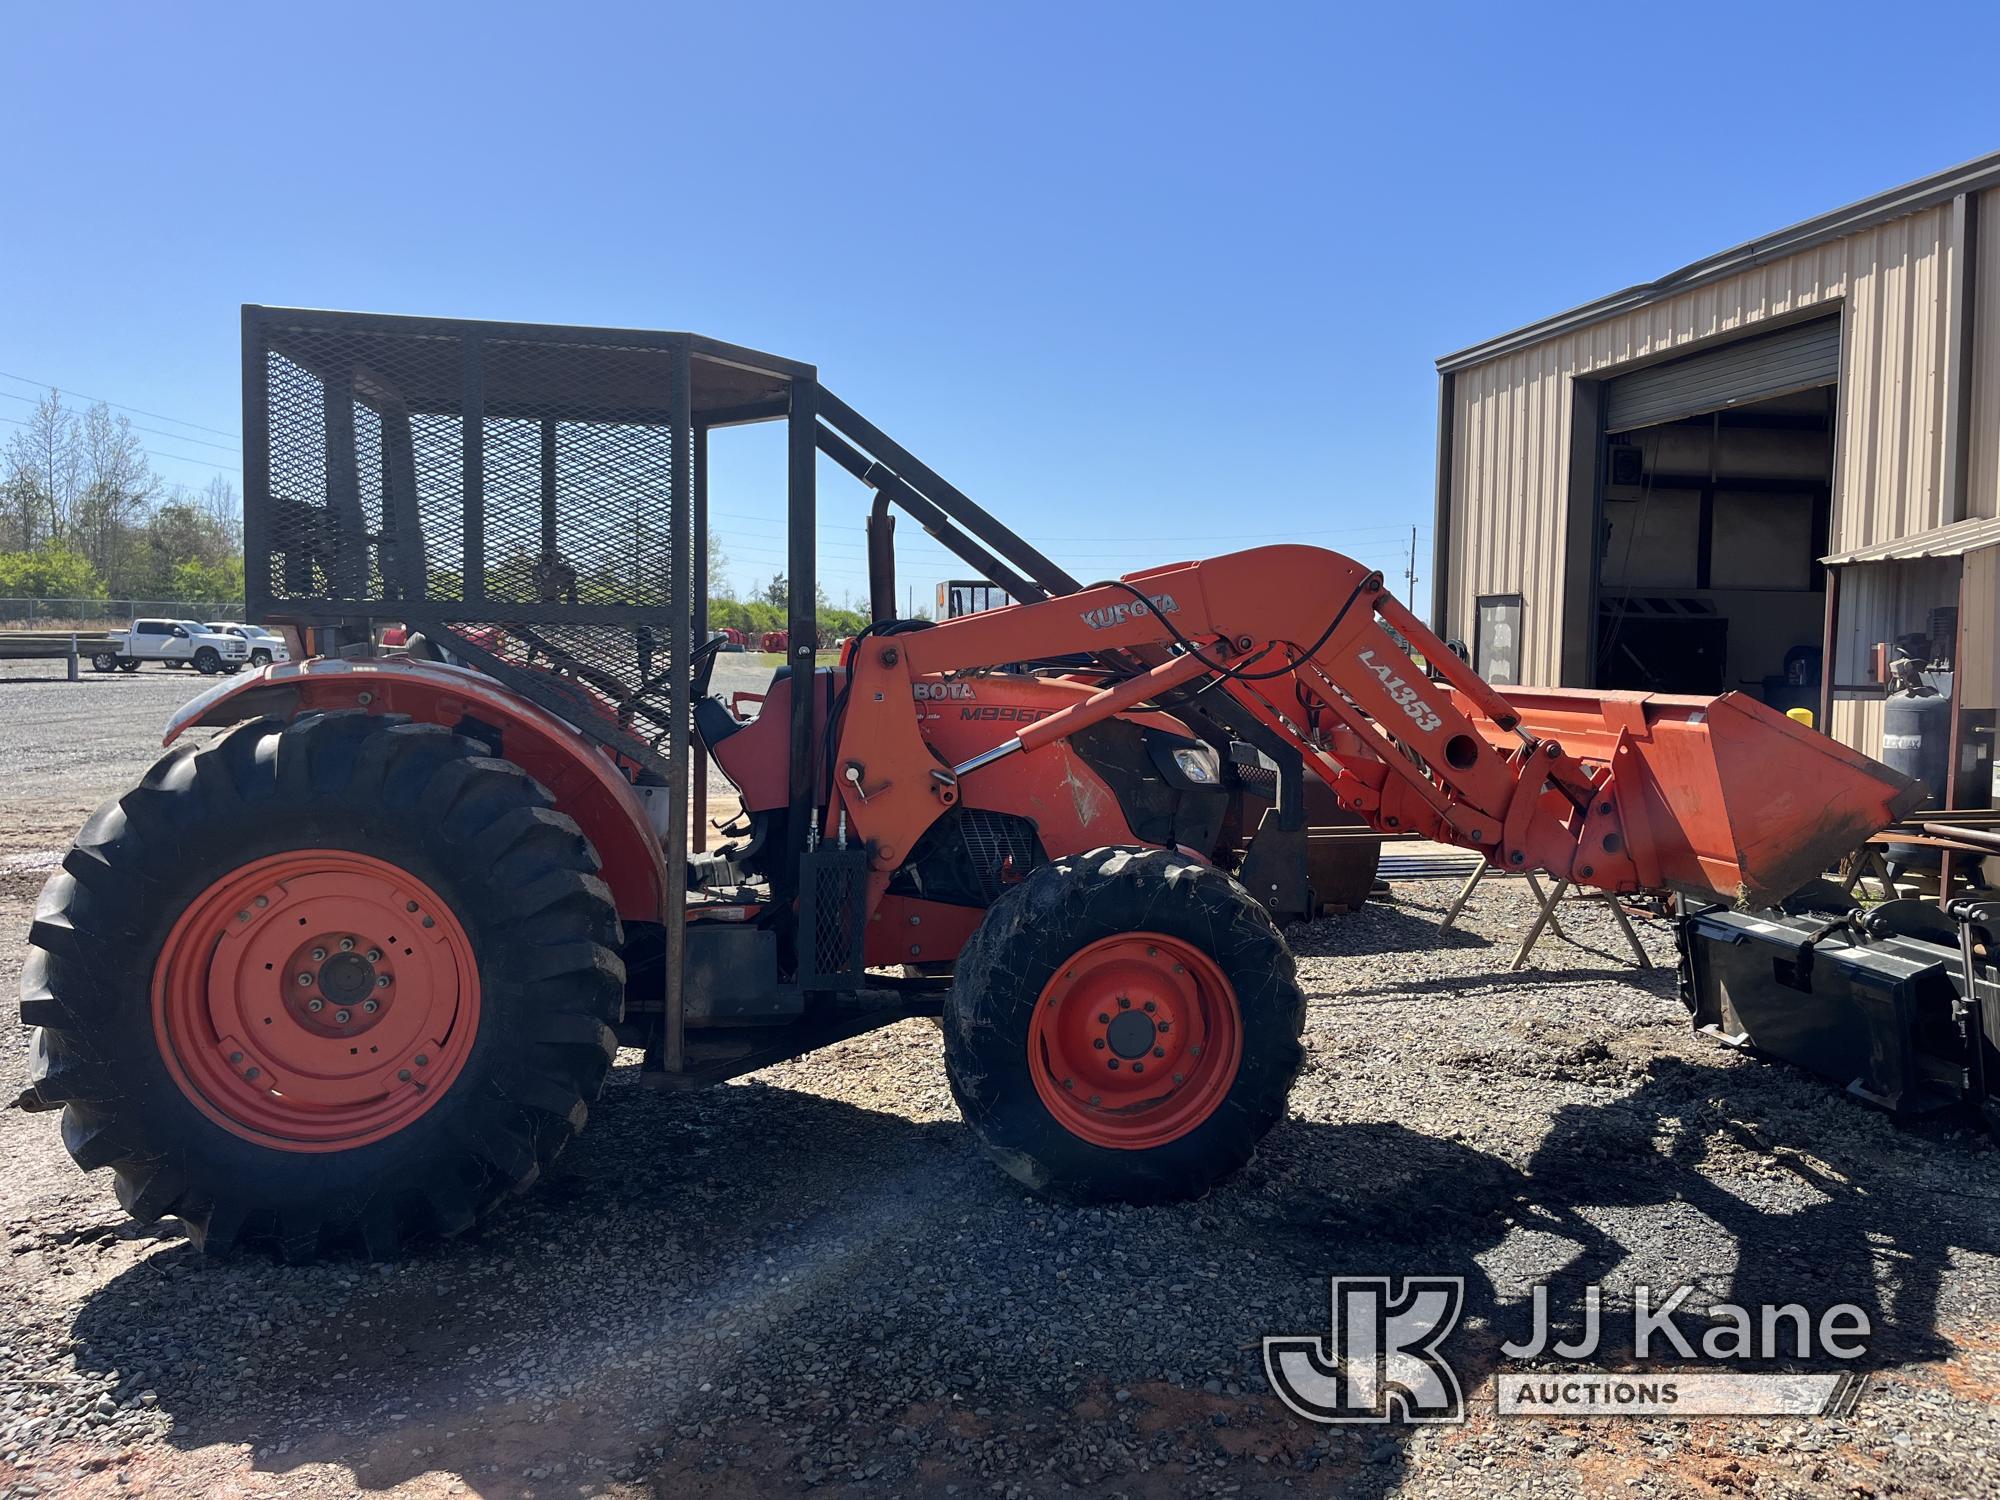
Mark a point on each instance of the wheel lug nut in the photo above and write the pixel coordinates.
(381, 981)
(1096, 1098)
(252, 1074)
(315, 1005)
(305, 980)
(370, 1006)
(1195, 1050)
(1179, 1079)
(409, 906)
(423, 1061)
(1124, 1002)
(1159, 1052)
(343, 1016)
(243, 916)
(261, 902)
(236, 1057)
(1098, 1044)
(1166, 1026)
(1151, 1007)
(347, 945)
(319, 955)
(374, 955)
(1138, 1067)
(403, 1074)
(1069, 1083)
(1104, 1018)
(1112, 1065)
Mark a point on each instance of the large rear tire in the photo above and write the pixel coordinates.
(325, 985)
(1124, 1025)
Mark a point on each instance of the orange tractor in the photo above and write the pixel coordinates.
(355, 968)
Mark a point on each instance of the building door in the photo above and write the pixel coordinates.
(1713, 489)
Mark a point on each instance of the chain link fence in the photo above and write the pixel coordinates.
(22, 613)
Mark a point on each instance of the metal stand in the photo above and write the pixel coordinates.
(1545, 915)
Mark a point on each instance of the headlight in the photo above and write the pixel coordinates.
(1200, 764)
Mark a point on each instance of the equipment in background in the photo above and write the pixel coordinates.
(1798, 686)
(1898, 1004)
(1916, 740)
(958, 597)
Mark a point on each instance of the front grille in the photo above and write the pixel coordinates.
(969, 856)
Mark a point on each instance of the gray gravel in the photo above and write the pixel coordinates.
(811, 1280)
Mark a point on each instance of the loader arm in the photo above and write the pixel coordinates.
(1629, 793)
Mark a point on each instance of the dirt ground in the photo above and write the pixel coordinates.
(810, 1280)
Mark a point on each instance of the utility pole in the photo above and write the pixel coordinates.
(1410, 573)
(909, 601)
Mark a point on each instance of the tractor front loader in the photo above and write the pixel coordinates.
(355, 967)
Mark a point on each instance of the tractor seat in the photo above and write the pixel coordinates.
(714, 722)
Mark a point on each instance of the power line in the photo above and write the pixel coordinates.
(152, 454)
(121, 406)
(179, 437)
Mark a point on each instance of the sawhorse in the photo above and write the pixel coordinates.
(1545, 915)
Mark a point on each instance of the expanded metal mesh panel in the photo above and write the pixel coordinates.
(833, 900)
(509, 491)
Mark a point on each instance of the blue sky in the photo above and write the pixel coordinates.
(1148, 281)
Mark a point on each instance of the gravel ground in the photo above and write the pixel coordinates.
(810, 1279)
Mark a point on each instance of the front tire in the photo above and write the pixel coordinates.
(260, 658)
(388, 863)
(1124, 1025)
(104, 661)
(208, 661)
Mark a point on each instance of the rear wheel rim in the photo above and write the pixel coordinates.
(317, 1000)
(1135, 1041)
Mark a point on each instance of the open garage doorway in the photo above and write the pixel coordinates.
(1714, 495)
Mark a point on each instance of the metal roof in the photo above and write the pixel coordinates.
(1912, 197)
(1955, 540)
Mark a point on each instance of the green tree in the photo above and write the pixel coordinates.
(220, 582)
(53, 572)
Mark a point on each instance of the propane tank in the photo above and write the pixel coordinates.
(1916, 740)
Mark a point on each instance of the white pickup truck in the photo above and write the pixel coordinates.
(266, 646)
(176, 643)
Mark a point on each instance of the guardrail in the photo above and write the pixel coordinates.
(49, 645)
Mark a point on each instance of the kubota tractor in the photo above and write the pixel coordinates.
(354, 967)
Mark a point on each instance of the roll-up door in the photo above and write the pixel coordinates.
(1799, 358)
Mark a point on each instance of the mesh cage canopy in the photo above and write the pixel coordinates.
(519, 492)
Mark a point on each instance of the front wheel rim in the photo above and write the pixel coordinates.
(317, 1000)
(1135, 1041)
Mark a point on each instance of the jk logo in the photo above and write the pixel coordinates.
(1381, 1362)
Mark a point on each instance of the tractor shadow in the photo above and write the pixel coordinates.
(1383, 926)
(711, 1274)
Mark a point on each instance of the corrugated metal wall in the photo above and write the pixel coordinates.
(1984, 489)
(1892, 283)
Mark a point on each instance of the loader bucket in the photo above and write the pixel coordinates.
(1723, 797)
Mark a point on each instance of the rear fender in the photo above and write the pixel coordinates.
(584, 781)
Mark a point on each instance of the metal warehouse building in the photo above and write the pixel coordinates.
(1748, 474)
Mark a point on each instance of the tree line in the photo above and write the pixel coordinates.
(768, 608)
(83, 515)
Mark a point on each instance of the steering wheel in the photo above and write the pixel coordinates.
(702, 663)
